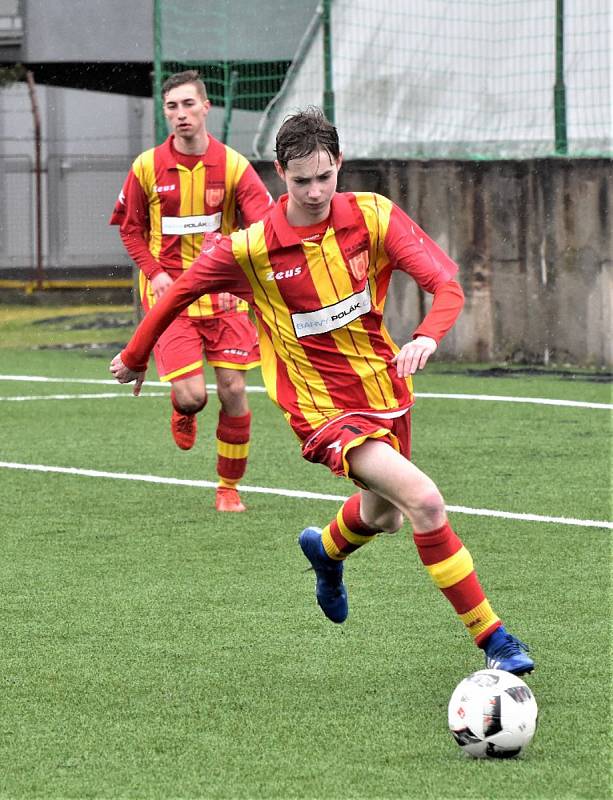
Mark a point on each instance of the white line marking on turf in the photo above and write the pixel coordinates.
(544, 401)
(125, 476)
(100, 396)
(260, 389)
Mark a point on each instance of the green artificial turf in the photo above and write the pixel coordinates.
(153, 648)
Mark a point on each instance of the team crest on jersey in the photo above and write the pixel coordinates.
(359, 265)
(214, 196)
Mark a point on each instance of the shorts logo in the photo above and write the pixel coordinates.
(324, 320)
(214, 197)
(359, 265)
(234, 351)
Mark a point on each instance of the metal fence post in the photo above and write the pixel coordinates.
(159, 121)
(327, 45)
(559, 91)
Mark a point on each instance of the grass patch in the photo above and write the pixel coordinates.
(153, 648)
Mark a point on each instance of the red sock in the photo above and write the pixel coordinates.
(233, 434)
(347, 531)
(451, 568)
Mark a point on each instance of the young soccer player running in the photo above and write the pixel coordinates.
(316, 270)
(173, 196)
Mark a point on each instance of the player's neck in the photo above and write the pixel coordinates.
(298, 217)
(194, 146)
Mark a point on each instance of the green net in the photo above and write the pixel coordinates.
(231, 49)
(405, 78)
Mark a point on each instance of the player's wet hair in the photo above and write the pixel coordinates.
(305, 133)
(181, 78)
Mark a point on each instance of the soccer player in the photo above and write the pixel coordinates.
(174, 195)
(316, 270)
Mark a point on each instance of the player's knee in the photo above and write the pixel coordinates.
(428, 509)
(388, 521)
(231, 391)
(391, 521)
(190, 403)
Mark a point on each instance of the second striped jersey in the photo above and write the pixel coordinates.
(169, 202)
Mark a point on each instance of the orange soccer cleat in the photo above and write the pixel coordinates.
(184, 428)
(228, 500)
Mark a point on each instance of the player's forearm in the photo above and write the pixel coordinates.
(136, 353)
(446, 308)
(137, 249)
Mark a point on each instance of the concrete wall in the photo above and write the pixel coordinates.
(116, 30)
(533, 241)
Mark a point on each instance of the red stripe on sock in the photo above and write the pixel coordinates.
(352, 518)
(437, 545)
(232, 469)
(465, 594)
(234, 430)
(350, 513)
(484, 636)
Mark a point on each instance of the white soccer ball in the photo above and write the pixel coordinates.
(492, 714)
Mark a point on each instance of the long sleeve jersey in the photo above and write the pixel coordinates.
(169, 203)
(319, 307)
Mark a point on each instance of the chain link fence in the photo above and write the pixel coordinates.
(414, 79)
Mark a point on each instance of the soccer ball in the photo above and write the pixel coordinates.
(492, 714)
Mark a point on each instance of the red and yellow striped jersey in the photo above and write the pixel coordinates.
(319, 306)
(170, 201)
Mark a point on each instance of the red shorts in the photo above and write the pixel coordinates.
(228, 341)
(331, 443)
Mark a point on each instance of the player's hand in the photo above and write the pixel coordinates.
(160, 284)
(414, 355)
(227, 301)
(122, 374)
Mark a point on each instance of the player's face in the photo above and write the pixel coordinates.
(186, 111)
(311, 183)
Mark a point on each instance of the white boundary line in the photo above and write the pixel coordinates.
(260, 389)
(125, 476)
(99, 396)
(543, 401)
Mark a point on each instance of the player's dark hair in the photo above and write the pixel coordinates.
(181, 78)
(305, 133)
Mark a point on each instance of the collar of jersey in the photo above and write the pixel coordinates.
(342, 216)
(209, 159)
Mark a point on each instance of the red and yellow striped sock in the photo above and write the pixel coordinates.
(347, 531)
(233, 434)
(451, 568)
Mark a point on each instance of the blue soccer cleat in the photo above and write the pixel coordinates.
(503, 651)
(330, 590)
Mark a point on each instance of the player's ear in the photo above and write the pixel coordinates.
(280, 171)
(339, 161)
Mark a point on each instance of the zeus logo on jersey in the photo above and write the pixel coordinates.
(169, 188)
(332, 317)
(288, 273)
